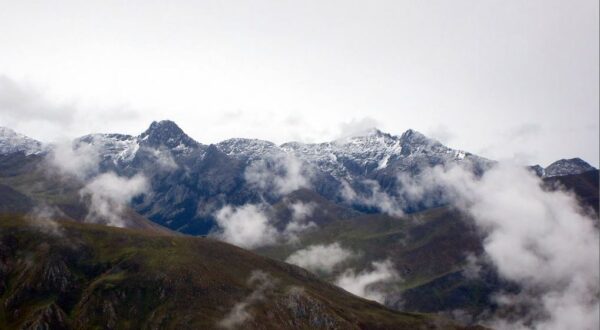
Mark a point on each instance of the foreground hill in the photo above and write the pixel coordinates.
(86, 276)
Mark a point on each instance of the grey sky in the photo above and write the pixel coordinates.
(504, 79)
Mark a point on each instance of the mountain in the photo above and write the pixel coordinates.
(161, 140)
(12, 142)
(357, 156)
(89, 276)
(431, 250)
(190, 181)
(583, 185)
(346, 192)
(567, 167)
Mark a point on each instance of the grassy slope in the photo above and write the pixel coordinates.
(424, 248)
(94, 276)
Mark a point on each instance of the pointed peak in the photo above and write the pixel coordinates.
(412, 136)
(164, 125)
(167, 133)
(413, 141)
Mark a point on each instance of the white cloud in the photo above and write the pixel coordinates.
(375, 197)
(320, 258)
(281, 173)
(246, 226)
(108, 195)
(357, 127)
(164, 159)
(540, 239)
(250, 225)
(298, 223)
(80, 160)
(364, 283)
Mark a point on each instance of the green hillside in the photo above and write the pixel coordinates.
(90, 276)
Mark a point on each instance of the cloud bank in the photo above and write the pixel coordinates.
(537, 238)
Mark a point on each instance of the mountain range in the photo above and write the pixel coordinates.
(190, 181)
(359, 197)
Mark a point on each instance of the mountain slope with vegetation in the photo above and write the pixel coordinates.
(89, 276)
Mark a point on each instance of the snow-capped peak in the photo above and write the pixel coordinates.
(567, 167)
(11, 142)
(412, 141)
(167, 133)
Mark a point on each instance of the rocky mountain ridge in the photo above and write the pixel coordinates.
(189, 181)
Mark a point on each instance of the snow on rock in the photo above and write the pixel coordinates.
(567, 167)
(355, 156)
(11, 142)
(117, 148)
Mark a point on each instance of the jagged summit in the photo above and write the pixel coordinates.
(166, 133)
(163, 125)
(413, 137)
(11, 142)
(361, 153)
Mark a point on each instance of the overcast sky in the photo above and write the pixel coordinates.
(504, 79)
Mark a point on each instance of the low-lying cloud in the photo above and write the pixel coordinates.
(320, 258)
(163, 159)
(109, 195)
(375, 197)
(364, 283)
(246, 226)
(252, 226)
(280, 174)
(79, 160)
(537, 238)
